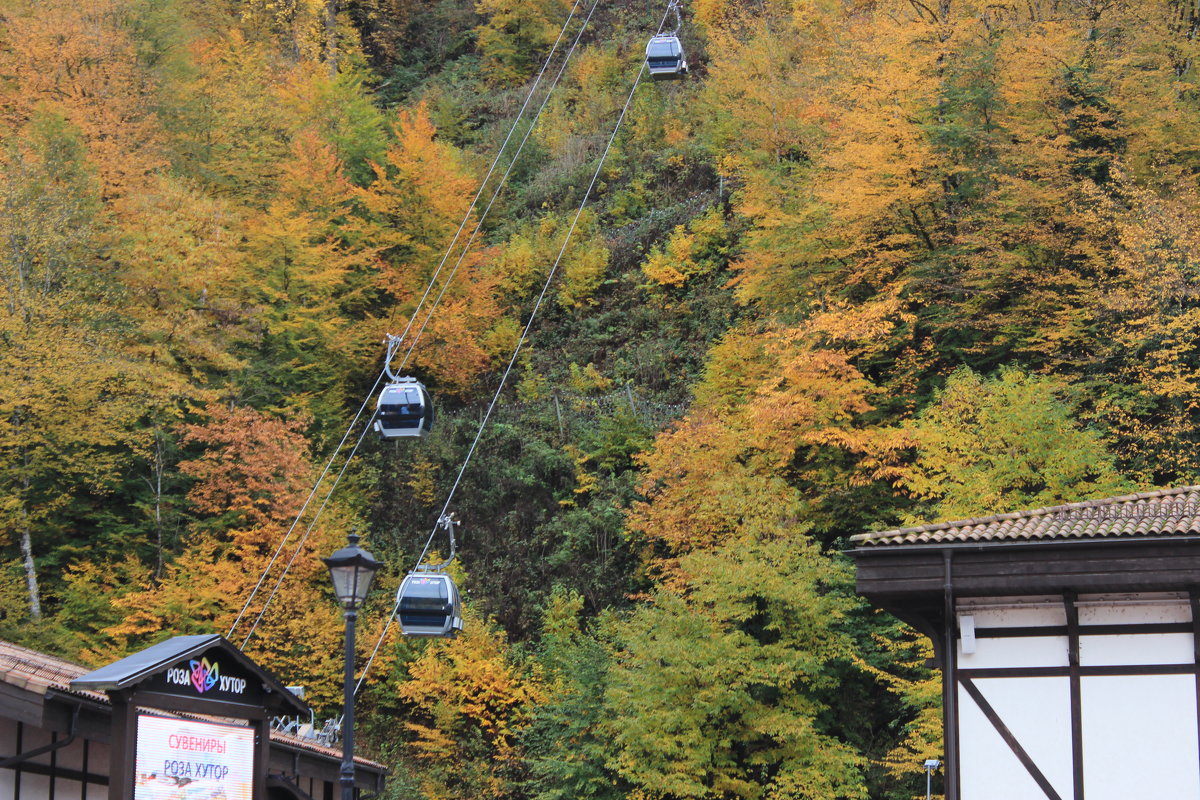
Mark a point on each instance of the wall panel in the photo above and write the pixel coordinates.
(1140, 737)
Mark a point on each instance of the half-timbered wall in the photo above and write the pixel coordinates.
(1077, 698)
(76, 771)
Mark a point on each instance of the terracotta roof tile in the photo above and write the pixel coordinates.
(1166, 512)
(37, 672)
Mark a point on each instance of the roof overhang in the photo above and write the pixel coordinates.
(136, 670)
(918, 574)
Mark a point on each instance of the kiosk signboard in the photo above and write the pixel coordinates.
(181, 759)
(157, 757)
(212, 675)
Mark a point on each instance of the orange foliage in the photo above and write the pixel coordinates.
(80, 59)
(417, 203)
(252, 466)
(251, 480)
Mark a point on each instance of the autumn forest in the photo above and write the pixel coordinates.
(871, 263)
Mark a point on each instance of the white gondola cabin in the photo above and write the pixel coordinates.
(404, 410)
(429, 605)
(664, 58)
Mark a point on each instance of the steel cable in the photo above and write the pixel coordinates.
(412, 317)
(520, 343)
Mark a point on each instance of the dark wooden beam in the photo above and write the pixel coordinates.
(898, 576)
(1076, 693)
(21, 705)
(1106, 671)
(949, 682)
(1129, 629)
(262, 755)
(124, 747)
(1015, 746)
(198, 705)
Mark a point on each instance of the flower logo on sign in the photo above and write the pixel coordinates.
(204, 675)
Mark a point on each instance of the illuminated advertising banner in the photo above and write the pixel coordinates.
(179, 759)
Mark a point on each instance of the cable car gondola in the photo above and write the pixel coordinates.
(429, 605)
(404, 409)
(427, 601)
(664, 58)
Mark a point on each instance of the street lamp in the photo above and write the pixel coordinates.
(930, 765)
(352, 570)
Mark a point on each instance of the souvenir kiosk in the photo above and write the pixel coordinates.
(186, 719)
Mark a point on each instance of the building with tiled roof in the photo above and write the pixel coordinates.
(55, 741)
(1068, 639)
(1169, 512)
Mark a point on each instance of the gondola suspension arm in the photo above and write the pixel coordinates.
(393, 344)
(673, 7)
(448, 522)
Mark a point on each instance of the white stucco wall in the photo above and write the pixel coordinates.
(1038, 713)
(1140, 737)
(1139, 732)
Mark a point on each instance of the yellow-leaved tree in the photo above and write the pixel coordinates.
(989, 446)
(469, 700)
(414, 208)
(70, 391)
(312, 276)
(516, 35)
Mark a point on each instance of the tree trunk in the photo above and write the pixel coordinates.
(31, 581)
(159, 466)
(331, 46)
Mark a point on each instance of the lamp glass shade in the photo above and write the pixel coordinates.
(352, 570)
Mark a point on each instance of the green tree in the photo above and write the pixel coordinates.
(567, 746)
(991, 445)
(340, 111)
(516, 35)
(713, 692)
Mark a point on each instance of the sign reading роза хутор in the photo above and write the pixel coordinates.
(179, 759)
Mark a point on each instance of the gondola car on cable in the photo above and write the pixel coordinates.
(404, 410)
(429, 605)
(664, 58)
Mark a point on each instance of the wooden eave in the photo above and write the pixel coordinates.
(902, 576)
(129, 672)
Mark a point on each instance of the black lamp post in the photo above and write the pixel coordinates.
(352, 570)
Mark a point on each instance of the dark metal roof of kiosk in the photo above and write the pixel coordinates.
(133, 669)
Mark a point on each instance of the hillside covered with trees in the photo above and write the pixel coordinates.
(870, 264)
